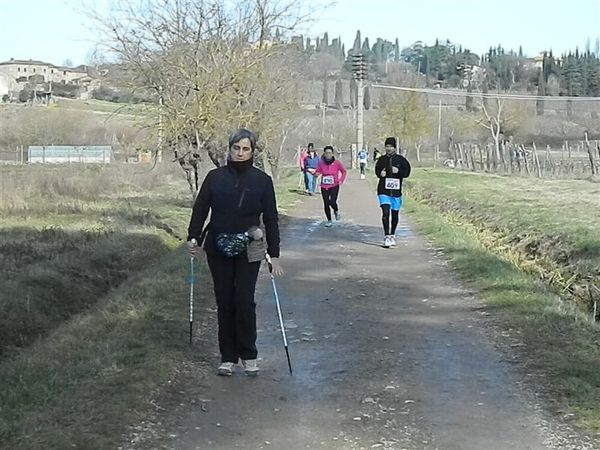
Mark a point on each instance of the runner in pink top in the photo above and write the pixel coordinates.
(333, 175)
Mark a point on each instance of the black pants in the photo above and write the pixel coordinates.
(362, 168)
(234, 282)
(385, 219)
(330, 200)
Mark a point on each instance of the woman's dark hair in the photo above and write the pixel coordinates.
(328, 147)
(311, 146)
(240, 134)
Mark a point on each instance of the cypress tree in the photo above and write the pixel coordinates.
(325, 97)
(357, 41)
(367, 98)
(366, 49)
(339, 96)
(541, 92)
(353, 93)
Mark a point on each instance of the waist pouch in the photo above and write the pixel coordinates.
(232, 244)
(235, 244)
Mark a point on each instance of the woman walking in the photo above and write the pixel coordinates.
(333, 175)
(236, 195)
(310, 168)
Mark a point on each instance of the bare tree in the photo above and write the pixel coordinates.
(207, 64)
(405, 115)
(502, 119)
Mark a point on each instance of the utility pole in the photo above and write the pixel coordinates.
(359, 72)
(160, 126)
(439, 135)
(323, 109)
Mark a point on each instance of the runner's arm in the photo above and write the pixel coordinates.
(379, 168)
(343, 171)
(200, 210)
(404, 167)
(271, 219)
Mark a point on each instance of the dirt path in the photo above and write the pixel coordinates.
(388, 352)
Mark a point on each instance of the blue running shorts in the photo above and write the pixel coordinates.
(394, 202)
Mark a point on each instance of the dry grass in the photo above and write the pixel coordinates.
(98, 304)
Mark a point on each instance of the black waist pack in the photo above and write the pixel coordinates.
(232, 244)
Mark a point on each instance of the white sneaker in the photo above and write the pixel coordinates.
(338, 216)
(392, 240)
(386, 242)
(250, 367)
(362, 176)
(328, 224)
(225, 369)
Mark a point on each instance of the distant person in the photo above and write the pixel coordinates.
(333, 175)
(391, 169)
(376, 155)
(362, 162)
(301, 159)
(311, 163)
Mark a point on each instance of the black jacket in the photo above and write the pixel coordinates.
(386, 163)
(236, 199)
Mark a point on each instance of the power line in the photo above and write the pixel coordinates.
(487, 95)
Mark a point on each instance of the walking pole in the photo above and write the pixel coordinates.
(276, 297)
(194, 242)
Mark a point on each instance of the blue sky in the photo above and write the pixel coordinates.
(56, 30)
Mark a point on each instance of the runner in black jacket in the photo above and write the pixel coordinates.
(236, 196)
(391, 169)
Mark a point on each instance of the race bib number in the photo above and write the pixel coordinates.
(327, 180)
(392, 183)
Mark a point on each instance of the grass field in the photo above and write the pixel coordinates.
(528, 249)
(94, 300)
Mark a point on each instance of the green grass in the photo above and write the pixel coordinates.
(486, 225)
(93, 371)
(547, 226)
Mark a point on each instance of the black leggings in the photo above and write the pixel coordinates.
(330, 200)
(234, 281)
(385, 219)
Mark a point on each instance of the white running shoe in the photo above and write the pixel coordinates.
(328, 224)
(338, 216)
(392, 240)
(386, 242)
(250, 367)
(225, 369)
(362, 176)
